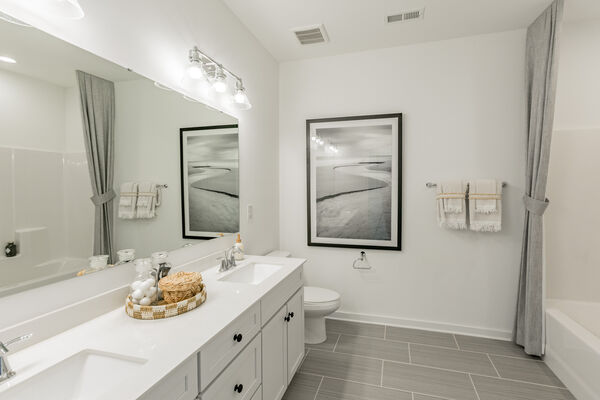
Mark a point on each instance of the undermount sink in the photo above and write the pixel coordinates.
(252, 274)
(88, 374)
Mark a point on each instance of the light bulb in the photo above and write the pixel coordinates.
(220, 82)
(240, 99)
(8, 60)
(195, 71)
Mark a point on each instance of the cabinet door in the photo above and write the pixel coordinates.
(180, 384)
(274, 356)
(295, 333)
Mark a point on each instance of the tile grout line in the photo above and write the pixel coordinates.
(337, 341)
(381, 380)
(409, 355)
(319, 387)
(474, 388)
(435, 368)
(494, 365)
(456, 341)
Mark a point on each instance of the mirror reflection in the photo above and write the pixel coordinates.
(118, 147)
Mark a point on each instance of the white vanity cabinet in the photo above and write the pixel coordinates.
(283, 346)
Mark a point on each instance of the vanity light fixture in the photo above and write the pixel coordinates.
(8, 60)
(205, 69)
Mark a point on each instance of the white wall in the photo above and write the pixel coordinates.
(463, 109)
(153, 37)
(572, 218)
(147, 150)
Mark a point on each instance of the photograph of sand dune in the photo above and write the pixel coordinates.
(353, 181)
(210, 181)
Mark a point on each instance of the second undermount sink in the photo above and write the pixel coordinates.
(253, 273)
(85, 375)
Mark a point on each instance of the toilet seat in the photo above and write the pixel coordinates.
(317, 295)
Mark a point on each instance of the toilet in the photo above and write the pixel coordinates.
(318, 303)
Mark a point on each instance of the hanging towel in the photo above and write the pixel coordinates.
(146, 200)
(128, 200)
(452, 210)
(485, 205)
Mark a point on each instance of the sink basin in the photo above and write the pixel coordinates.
(252, 274)
(85, 375)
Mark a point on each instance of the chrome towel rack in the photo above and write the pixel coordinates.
(432, 185)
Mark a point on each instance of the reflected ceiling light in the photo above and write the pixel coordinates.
(67, 9)
(220, 81)
(213, 76)
(8, 18)
(163, 87)
(8, 60)
(190, 99)
(240, 99)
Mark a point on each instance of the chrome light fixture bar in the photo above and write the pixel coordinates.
(203, 68)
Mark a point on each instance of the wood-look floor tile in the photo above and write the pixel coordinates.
(501, 389)
(420, 336)
(418, 396)
(338, 389)
(328, 344)
(491, 346)
(435, 382)
(355, 328)
(464, 361)
(343, 366)
(371, 347)
(302, 387)
(525, 370)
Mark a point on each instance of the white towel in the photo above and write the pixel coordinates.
(127, 200)
(483, 192)
(146, 200)
(481, 217)
(452, 210)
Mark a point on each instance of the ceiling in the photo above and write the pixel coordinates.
(357, 25)
(42, 56)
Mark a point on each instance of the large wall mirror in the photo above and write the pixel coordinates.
(54, 159)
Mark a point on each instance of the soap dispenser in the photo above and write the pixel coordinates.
(238, 252)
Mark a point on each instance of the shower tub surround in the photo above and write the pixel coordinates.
(573, 345)
(162, 348)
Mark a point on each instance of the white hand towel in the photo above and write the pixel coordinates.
(486, 221)
(127, 200)
(482, 192)
(451, 207)
(146, 200)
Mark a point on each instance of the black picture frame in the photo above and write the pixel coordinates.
(183, 171)
(396, 178)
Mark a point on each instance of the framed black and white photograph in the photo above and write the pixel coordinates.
(209, 181)
(354, 169)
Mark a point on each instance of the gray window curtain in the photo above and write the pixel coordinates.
(98, 114)
(541, 65)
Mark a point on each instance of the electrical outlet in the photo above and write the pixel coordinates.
(250, 211)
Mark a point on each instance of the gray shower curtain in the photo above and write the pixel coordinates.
(98, 114)
(541, 65)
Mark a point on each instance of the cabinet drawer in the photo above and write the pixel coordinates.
(241, 378)
(223, 348)
(180, 384)
(279, 295)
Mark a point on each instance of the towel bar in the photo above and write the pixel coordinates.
(432, 185)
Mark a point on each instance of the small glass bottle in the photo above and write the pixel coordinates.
(143, 288)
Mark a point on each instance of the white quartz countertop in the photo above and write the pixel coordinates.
(163, 343)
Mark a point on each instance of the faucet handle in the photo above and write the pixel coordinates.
(3, 346)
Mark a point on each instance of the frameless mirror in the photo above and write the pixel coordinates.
(172, 163)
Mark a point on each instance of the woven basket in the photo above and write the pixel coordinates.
(180, 286)
(165, 310)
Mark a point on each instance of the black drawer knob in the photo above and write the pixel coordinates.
(287, 318)
(237, 337)
(291, 315)
(238, 388)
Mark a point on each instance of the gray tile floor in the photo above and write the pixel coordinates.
(376, 362)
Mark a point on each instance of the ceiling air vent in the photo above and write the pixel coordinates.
(311, 34)
(406, 16)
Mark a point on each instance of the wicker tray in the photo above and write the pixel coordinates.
(166, 310)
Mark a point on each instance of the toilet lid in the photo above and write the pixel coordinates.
(314, 294)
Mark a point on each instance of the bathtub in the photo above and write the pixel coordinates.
(573, 345)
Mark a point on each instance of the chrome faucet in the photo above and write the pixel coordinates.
(228, 261)
(6, 371)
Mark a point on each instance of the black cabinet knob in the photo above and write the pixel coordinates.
(238, 388)
(287, 318)
(291, 315)
(237, 337)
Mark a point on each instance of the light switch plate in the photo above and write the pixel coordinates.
(249, 211)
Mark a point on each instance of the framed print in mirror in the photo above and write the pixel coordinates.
(354, 169)
(209, 181)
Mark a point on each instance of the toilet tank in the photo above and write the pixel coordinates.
(279, 253)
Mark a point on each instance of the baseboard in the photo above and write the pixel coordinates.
(576, 386)
(425, 325)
